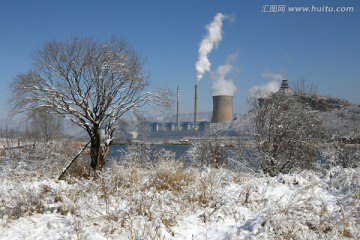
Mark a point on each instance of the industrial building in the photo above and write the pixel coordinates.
(222, 112)
(222, 109)
(172, 126)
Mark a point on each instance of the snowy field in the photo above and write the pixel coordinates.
(9, 142)
(166, 201)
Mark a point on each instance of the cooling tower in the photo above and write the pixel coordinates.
(222, 109)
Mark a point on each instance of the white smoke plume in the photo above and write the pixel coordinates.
(221, 84)
(270, 87)
(209, 42)
(273, 76)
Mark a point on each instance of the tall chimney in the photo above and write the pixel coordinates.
(178, 109)
(222, 109)
(196, 107)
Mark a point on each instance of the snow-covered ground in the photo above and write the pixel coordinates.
(167, 201)
(9, 142)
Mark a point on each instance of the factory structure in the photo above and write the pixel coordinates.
(222, 113)
(222, 109)
(222, 104)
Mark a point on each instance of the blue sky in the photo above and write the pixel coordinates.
(322, 48)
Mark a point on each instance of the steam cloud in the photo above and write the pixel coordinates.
(209, 42)
(269, 87)
(221, 85)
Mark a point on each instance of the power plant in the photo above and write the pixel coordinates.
(222, 112)
(222, 109)
(222, 99)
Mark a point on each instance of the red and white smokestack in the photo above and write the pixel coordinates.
(196, 107)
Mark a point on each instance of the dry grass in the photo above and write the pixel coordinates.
(357, 193)
(71, 146)
(304, 214)
(2, 152)
(172, 179)
(142, 200)
(80, 170)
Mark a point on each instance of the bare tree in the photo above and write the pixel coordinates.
(304, 89)
(287, 132)
(45, 126)
(91, 83)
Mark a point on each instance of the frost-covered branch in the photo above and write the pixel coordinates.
(91, 83)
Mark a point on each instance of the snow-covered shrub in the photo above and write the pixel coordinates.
(287, 132)
(342, 127)
(23, 201)
(244, 157)
(171, 176)
(303, 206)
(146, 155)
(342, 154)
(80, 169)
(208, 152)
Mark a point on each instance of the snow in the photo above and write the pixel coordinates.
(136, 202)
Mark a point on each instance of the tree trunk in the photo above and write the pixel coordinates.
(94, 150)
(97, 161)
(98, 152)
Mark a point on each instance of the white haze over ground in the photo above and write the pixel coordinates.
(267, 88)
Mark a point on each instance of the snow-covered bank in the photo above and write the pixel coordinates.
(167, 201)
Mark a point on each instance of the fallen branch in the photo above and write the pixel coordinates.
(72, 161)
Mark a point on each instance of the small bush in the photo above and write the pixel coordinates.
(208, 152)
(24, 201)
(172, 178)
(80, 170)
